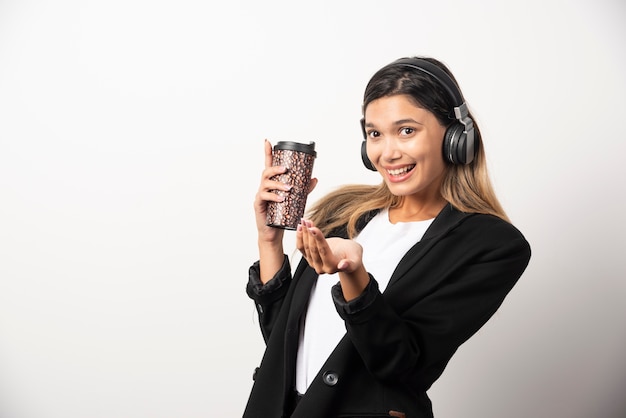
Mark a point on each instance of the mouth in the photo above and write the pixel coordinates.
(396, 172)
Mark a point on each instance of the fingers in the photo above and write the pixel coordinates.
(270, 188)
(269, 181)
(302, 243)
(313, 246)
(269, 184)
(315, 249)
(268, 154)
(306, 244)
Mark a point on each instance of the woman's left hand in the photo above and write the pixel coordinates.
(327, 255)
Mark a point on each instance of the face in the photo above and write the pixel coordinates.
(404, 142)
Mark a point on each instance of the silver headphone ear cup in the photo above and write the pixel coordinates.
(454, 144)
(366, 161)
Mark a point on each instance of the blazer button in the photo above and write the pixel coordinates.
(330, 378)
(256, 370)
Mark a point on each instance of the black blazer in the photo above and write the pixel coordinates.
(398, 342)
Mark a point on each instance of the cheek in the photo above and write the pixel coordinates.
(372, 151)
(431, 152)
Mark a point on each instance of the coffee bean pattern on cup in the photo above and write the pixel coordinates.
(298, 159)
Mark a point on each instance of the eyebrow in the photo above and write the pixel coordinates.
(403, 121)
(398, 122)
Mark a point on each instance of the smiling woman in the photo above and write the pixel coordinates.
(404, 143)
(394, 277)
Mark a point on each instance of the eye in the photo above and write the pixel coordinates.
(373, 134)
(406, 131)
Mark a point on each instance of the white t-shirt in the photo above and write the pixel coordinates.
(384, 244)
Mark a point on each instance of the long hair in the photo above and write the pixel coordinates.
(466, 187)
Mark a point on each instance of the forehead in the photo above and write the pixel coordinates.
(394, 106)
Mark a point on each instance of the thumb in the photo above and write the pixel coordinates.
(345, 265)
(312, 184)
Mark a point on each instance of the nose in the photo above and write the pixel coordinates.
(390, 150)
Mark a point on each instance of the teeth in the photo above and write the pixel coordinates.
(399, 171)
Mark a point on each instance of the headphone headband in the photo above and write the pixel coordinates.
(437, 73)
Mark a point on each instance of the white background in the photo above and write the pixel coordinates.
(131, 141)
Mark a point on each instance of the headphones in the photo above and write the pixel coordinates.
(459, 146)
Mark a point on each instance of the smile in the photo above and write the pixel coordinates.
(401, 171)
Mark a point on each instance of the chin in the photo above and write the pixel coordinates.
(399, 190)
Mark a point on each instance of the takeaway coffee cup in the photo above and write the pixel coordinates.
(298, 159)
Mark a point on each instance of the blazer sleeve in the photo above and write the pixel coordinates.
(268, 298)
(410, 333)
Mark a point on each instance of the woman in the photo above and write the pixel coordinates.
(394, 277)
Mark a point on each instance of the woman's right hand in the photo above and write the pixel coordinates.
(266, 194)
(270, 239)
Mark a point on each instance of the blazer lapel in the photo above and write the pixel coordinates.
(446, 220)
(306, 278)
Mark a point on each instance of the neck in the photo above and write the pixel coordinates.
(411, 211)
